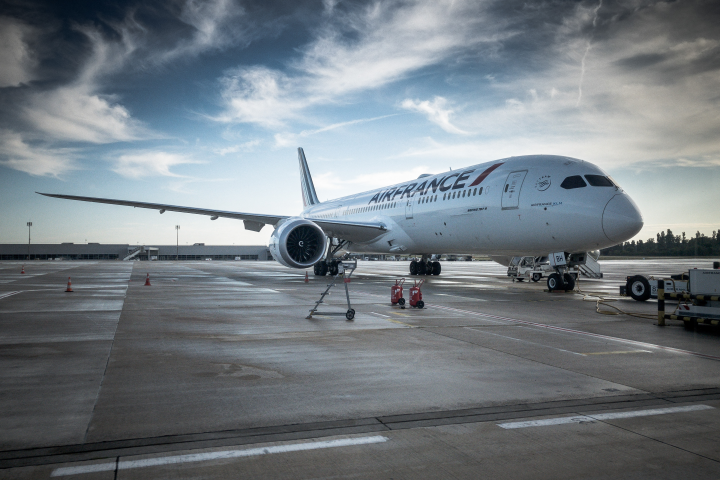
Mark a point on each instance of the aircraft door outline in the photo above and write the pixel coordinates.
(409, 209)
(511, 190)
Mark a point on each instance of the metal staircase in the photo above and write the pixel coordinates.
(135, 252)
(591, 268)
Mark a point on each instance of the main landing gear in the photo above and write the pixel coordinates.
(329, 265)
(425, 267)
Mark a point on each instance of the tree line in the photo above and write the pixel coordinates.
(667, 244)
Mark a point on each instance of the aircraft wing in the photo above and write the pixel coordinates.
(252, 221)
(353, 231)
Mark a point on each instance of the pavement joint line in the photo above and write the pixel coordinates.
(219, 455)
(580, 332)
(108, 449)
(8, 294)
(588, 418)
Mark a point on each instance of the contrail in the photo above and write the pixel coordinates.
(587, 49)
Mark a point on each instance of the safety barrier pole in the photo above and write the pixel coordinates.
(661, 302)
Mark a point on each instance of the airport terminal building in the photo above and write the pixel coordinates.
(97, 251)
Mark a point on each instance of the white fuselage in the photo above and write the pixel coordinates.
(518, 208)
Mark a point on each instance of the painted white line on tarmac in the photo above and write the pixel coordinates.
(222, 455)
(8, 294)
(603, 416)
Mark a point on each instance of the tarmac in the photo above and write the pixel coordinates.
(213, 371)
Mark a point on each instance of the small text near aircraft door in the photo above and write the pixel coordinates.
(511, 190)
(409, 209)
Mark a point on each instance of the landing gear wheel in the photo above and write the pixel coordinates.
(401, 302)
(436, 268)
(413, 268)
(333, 269)
(350, 314)
(639, 288)
(316, 269)
(421, 268)
(554, 282)
(569, 281)
(536, 277)
(420, 304)
(322, 268)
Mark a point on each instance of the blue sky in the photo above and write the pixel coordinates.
(203, 103)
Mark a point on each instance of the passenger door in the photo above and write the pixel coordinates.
(511, 190)
(409, 209)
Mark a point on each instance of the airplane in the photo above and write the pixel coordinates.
(539, 205)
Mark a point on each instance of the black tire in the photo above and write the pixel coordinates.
(421, 268)
(333, 270)
(413, 268)
(569, 281)
(638, 287)
(350, 314)
(323, 268)
(420, 304)
(401, 301)
(519, 279)
(536, 277)
(554, 282)
(436, 268)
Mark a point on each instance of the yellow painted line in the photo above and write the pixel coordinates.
(400, 323)
(399, 314)
(618, 352)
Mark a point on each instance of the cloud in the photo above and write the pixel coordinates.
(151, 163)
(76, 113)
(291, 139)
(15, 57)
(215, 24)
(243, 147)
(35, 160)
(361, 49)
(435, 112)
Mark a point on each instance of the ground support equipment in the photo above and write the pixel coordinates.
(396, 293)
(690, 320)
(345, 271)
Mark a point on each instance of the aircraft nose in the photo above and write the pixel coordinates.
(621, 219)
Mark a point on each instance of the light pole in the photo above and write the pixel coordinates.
(29, 224)
(177, 242)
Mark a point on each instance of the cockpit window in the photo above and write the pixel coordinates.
(575, 181)
(599, 181)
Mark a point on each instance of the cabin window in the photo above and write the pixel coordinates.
(481, 188)
(599, 181)
(463, 193)
(569, 183)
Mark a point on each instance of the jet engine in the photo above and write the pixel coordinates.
(298, 243)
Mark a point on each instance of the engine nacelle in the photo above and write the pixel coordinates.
(298, 243)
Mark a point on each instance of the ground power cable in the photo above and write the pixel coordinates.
(604, 300)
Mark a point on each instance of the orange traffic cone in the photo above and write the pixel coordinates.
(306, 278)
(69, 287)
(147, 280)
(23, 269)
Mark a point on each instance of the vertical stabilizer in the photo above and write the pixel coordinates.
(306, 183)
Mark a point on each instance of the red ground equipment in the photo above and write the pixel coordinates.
(396, 293)
(416, 295)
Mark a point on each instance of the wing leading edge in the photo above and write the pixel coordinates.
(352, 231)
(252, 221)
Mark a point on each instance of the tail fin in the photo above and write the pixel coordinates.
(306, 183)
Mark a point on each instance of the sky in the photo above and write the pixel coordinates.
(204, 103)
